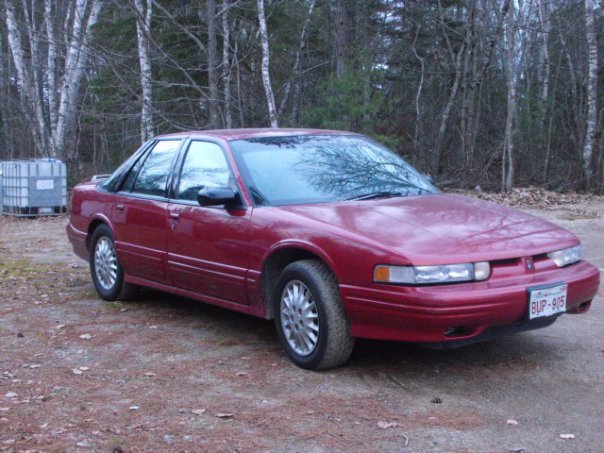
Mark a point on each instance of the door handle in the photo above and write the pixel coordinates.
(173, 219)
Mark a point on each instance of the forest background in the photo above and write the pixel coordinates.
(496, 93)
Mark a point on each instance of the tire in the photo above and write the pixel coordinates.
(321, 339)
(106, 271)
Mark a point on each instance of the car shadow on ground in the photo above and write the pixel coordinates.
(521, 351)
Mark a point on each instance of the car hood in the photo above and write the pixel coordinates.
(440, 229)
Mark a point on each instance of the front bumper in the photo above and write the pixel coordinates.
(459, 314)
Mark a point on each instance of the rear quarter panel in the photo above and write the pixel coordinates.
(88, 206)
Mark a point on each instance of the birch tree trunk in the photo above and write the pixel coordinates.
(144, 13)
(266, 77)
(29, 96)
(510, 71)
(592, 90)
(51, 117)
(226, 66)
(212, 64)
(75, 63)
(52, 63)
(544, 70)
(418, 93)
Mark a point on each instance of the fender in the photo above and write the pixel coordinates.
(300, 244)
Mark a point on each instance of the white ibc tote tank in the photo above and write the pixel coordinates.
(34, 187)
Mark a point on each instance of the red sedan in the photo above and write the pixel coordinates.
(329, 234)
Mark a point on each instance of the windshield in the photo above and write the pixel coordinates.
(324, 168)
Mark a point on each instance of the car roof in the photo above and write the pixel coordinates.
(240, 134)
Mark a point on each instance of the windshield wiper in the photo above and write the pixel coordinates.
(372, 195)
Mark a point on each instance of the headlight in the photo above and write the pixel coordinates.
(567, 256)
(421, 275)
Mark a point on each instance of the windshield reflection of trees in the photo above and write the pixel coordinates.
(349, 166)
(355, 169)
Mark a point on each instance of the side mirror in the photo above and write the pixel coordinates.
(218, 197)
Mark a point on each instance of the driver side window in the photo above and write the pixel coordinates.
(205, 166)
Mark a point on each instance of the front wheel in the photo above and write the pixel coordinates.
(312, 325)
(105, 268)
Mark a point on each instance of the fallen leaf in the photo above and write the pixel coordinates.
(511, 421)
(86, 336)
(84, 368)
(134, 408)
(567, 436)
(386, 425)
(11, 395)
(199, 411)
(76, 371)
(224, 415)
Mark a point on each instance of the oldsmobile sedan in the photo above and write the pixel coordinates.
(328, 233)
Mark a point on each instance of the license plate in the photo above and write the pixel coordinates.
(547, 301)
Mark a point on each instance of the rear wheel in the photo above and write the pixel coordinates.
(311, 322)
(105, 268)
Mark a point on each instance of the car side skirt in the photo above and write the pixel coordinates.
(253, 310)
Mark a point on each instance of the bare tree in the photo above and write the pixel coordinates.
(456, 65)
(296, 69)
(5, 104)
(212, 63)
(266, 77)
(50, 136)
(344, 35)
(226, 66)
(511, 74)
(592, 90)
(144, 13)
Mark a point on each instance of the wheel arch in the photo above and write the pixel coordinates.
(280, 257)
(96, 221)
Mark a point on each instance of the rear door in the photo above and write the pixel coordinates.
(140, 214)
(208, 246)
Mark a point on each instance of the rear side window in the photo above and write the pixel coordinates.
(205, 166)
(152, 176)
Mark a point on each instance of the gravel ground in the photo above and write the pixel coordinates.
(163, 373)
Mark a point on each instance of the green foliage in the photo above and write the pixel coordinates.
(347, 103)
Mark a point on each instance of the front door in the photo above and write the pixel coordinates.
(140, 214)
(208, 247)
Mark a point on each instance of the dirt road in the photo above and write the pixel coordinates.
(167, 374)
